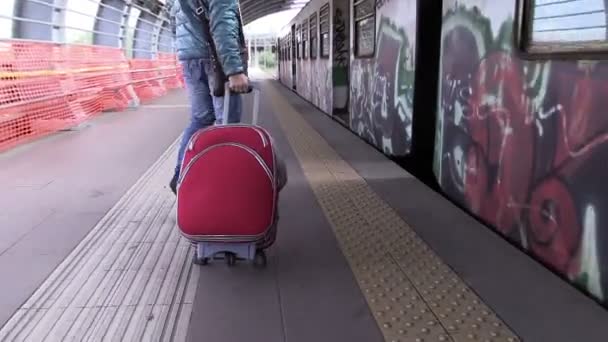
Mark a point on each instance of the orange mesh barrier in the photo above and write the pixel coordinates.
(146, 78)
(170, 71)
(46, 87)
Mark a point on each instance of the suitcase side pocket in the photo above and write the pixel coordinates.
(228, 195)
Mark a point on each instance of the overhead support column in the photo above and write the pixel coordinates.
(124, 28)
(58, 34)
(111, 17)
(143, 38)
(250, 61)
(158, 28)
(165, 43)
(124, 25)
(33, 19)
(255, 52)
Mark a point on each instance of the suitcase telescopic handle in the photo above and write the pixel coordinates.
(256, 102)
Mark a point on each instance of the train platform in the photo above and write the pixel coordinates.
(89, 248)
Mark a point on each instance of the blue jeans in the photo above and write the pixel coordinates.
(205, 108)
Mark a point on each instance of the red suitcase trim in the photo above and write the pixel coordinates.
(207, 135)
(259, 130)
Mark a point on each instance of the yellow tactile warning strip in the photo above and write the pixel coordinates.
(130, 279)
(413, 295)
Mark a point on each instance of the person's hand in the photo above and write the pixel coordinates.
(239, 83)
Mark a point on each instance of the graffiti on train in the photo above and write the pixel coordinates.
(381, 3)
(321, 91)
(521, 145)
(382, 91)
(341, 57)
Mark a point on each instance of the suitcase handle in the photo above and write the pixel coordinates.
(256, 102)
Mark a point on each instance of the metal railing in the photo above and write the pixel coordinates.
(66, 61)
(140, 32)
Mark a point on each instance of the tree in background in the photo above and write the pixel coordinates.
(267, 59)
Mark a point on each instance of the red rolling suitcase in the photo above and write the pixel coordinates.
(227, 194)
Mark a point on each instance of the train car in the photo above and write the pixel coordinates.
(500, 102)
(520, 129)
(333, 64)
(306, 54)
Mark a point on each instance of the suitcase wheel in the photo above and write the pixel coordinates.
(260, 259)
(199, 261)
(230, 259)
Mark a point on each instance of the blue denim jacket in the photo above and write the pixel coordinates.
(224, 24)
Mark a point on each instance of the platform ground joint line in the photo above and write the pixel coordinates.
(413, 294)
(130, 279)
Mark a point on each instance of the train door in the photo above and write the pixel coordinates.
(341, 60)
(293, 57)
(279, 56)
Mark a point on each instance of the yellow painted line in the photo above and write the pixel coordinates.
(412, 293)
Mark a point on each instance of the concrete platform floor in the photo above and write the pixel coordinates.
(54, 190)
(365, 252)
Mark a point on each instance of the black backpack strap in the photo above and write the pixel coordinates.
(201, 9)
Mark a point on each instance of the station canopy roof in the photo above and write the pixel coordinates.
(252, 10)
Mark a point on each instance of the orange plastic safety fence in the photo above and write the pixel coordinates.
(46, 87)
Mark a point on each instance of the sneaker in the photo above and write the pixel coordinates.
(173, 184)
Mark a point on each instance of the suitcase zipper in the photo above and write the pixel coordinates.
(196, 135)
(259, 159)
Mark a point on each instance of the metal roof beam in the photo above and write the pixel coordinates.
(254, 9)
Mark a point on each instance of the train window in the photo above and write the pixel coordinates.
(554, 26)
(312, 21)
(298, 41)
(324, 30)
(304, 38)
(292, 47)
(293, 44)
(365, 27)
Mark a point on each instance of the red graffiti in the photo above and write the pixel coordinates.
(554, 232)
(525, 144)
(498, 127)
(580, 111)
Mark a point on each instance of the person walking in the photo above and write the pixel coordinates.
(195, 53)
